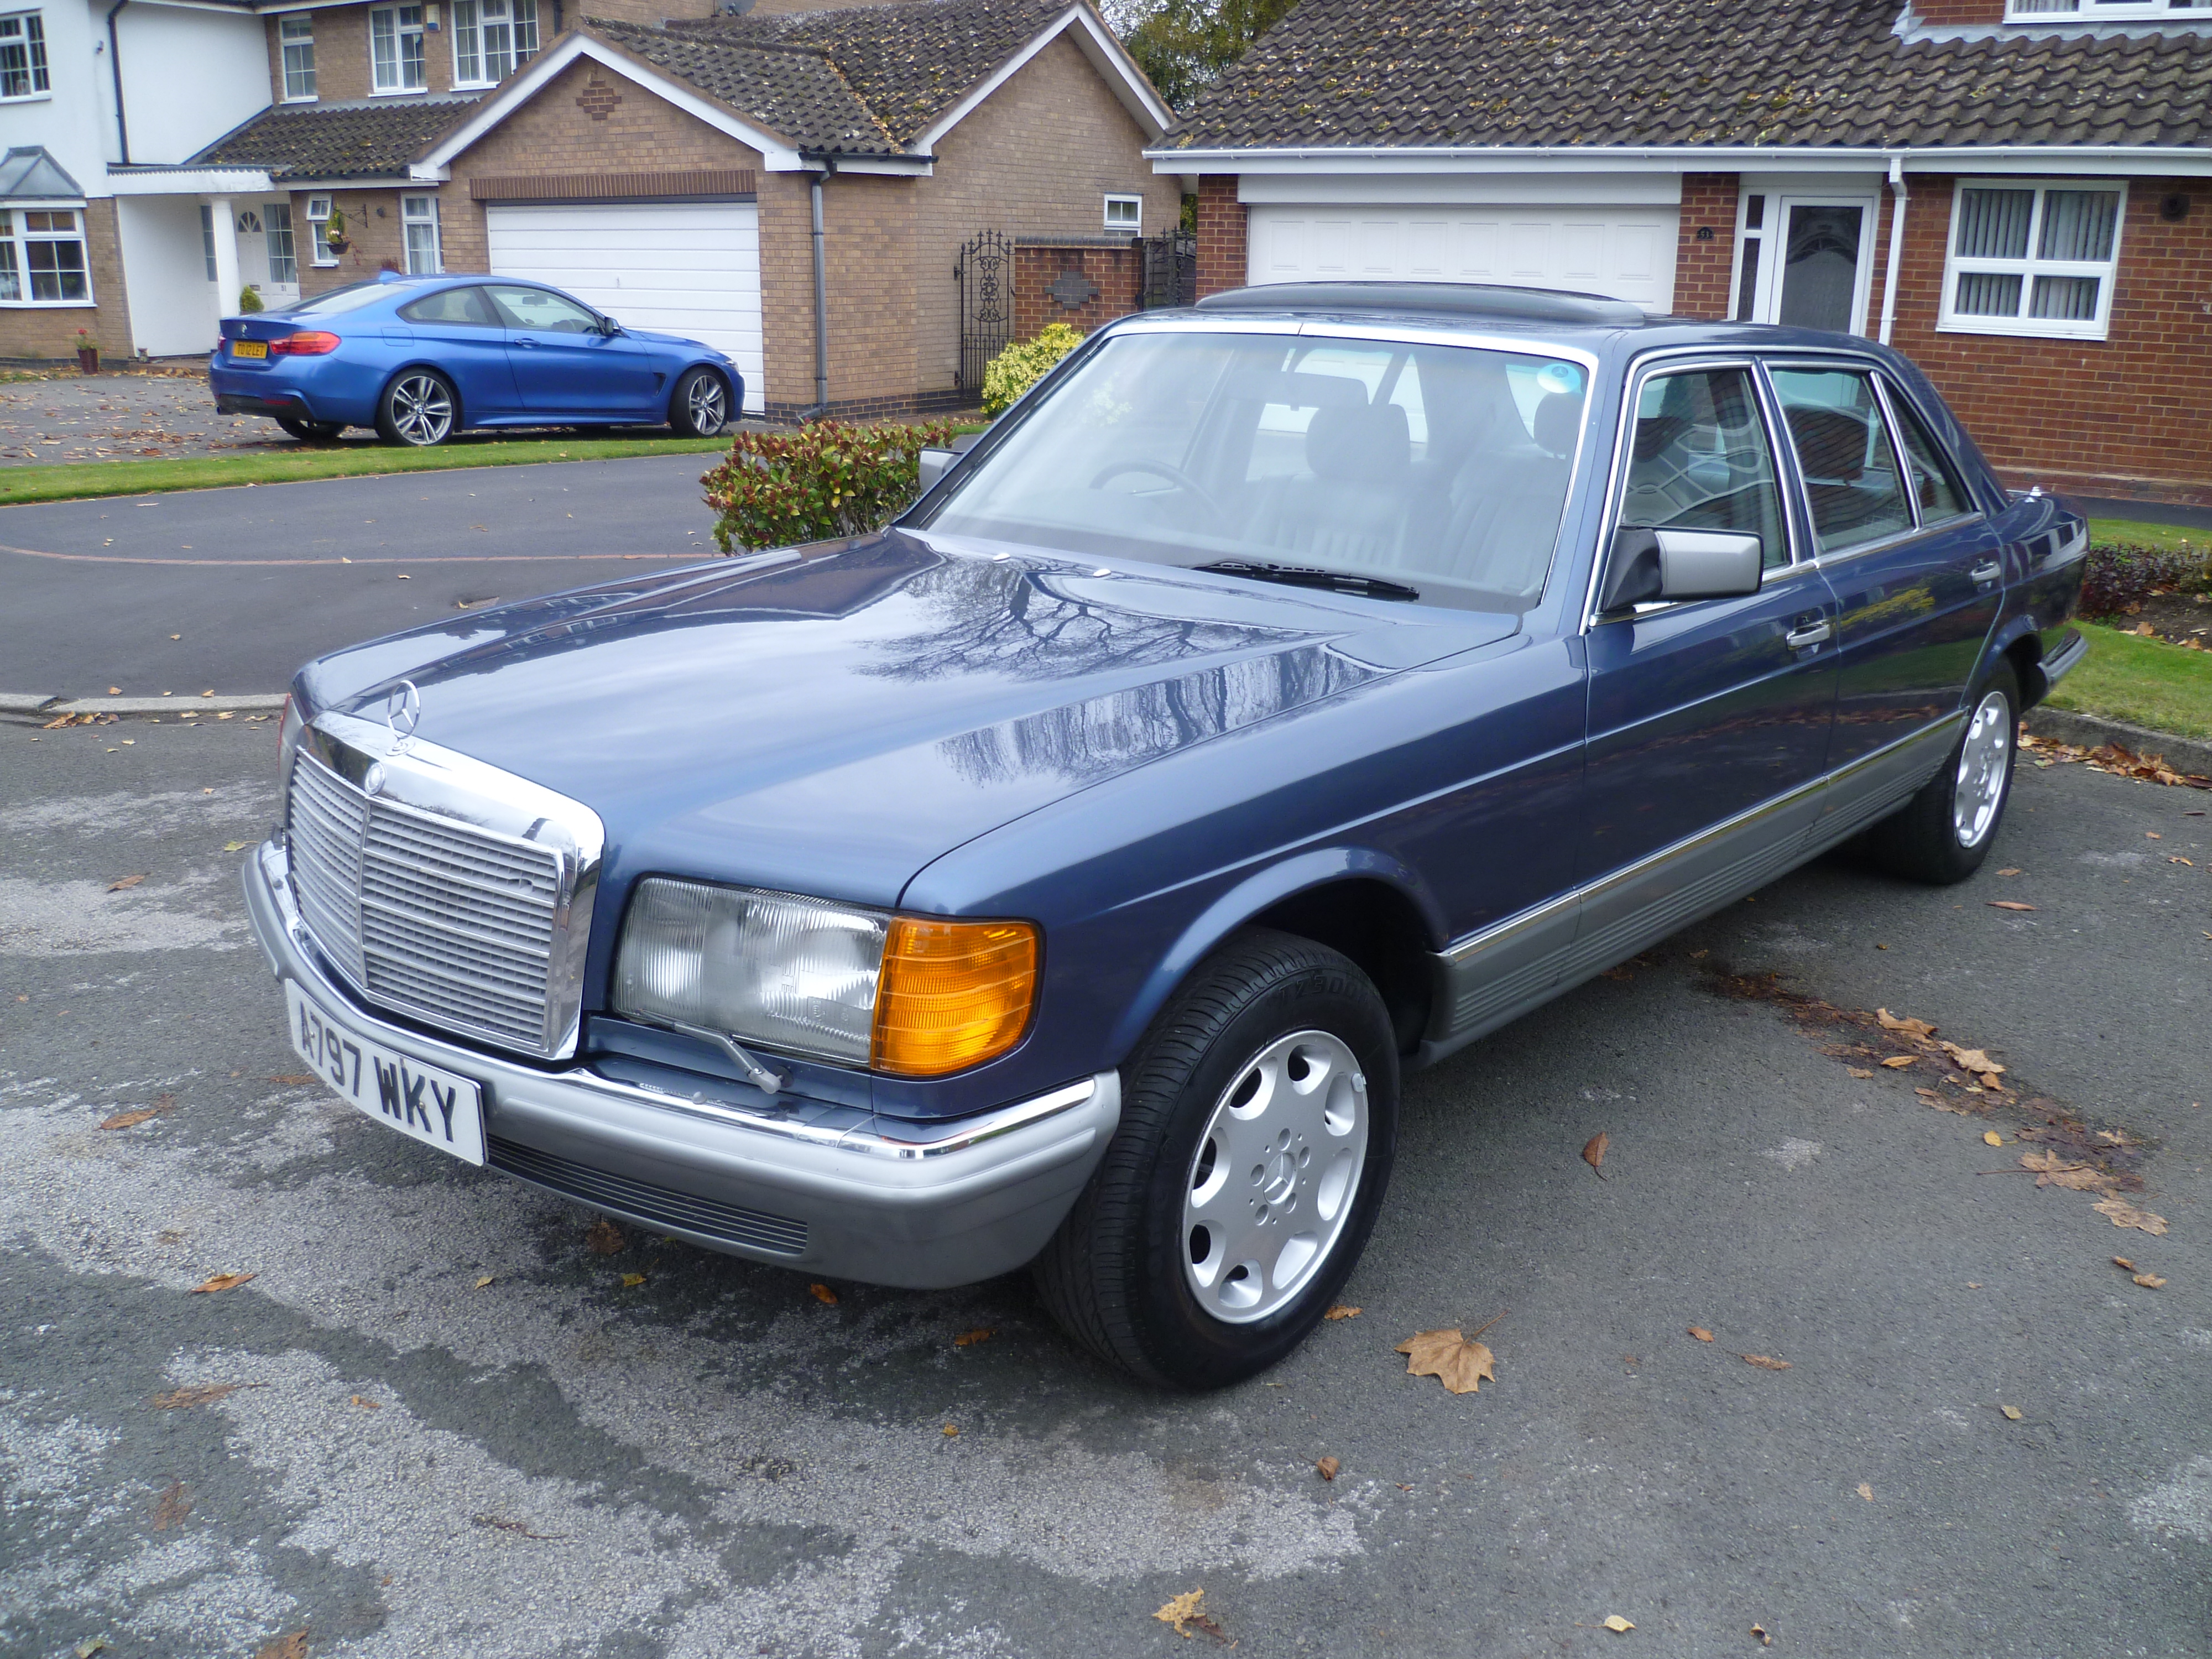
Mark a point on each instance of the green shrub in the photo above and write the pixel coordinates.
(2116, 575)
(829, 479)
(1022, 364)
(249, 301)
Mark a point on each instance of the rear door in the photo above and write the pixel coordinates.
(565, 367)
(456, 330)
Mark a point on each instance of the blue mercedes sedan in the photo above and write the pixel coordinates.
(1283, 694)
(420, 358)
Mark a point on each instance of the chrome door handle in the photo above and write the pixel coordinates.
(1988, 572)
(527, 343)
(1806, 634)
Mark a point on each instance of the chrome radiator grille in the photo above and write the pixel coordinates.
(427, 916)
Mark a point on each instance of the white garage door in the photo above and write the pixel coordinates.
(1623, 252)
(687, 268)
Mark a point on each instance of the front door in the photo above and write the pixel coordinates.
(565, 367)
(456, 330)
(1710, 715)
(1808, 261)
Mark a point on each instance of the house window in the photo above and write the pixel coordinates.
(492, 38)
(395, 49)
(298, 36)
(283, 264)
(318, 229)
(2032, 258)
(2059, 11)
(1751, 247)
(207, 239)
(42, 257)
(23, 56)
(1125, 213)
(419, 215)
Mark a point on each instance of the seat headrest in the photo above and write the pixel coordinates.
(1360, 443)
(1832, 443)
(1558, 424)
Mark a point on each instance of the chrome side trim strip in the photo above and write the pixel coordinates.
(2064, 660)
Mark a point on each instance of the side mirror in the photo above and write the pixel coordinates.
(1663, 565)
(609, 327)
(933, 463)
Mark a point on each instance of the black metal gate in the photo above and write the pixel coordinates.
(1170, 268)
(986, 275)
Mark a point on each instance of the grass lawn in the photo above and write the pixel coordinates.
(80, 480)
(2143, 682)
(2164, 537)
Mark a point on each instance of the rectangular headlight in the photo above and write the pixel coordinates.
(913, 996)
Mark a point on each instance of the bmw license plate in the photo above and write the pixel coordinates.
(249, 348)
(430, 1104)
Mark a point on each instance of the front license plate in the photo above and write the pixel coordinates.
(249, 348)
(434, 1106)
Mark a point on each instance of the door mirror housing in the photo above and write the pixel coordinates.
(1660, 566)
(933, 463)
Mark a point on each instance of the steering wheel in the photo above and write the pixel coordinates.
(1174, 475)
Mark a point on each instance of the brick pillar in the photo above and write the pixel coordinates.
(1221, 235)
(1705, 256)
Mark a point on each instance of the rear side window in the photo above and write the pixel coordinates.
(1935, 486)
(452, 305)
(351, 297)
(1849, 466)
(1700, 460)
(546, 312)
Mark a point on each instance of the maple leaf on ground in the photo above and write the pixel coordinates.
(2122, 1262)
(1340, 1312)
(1462, 1365)
(1991, 1138)
(1911, 1027)
(1180, 1610)
(127, 881)
(1972, 1060)
(1328, 1466)
(604, 1238)
(2121, 1213)
(144, 1114)
(2012, 1413)
(970, 1339)
(631, 1281)
(1701, 1332)
(1898, 1062)
(1617, 1624)
(220, 1282)
(2150, 1281)
(2053, 1170)
(823, 1294)
(1866, 1491)
(1765, 1362)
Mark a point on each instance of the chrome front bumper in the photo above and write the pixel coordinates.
(862, 1204)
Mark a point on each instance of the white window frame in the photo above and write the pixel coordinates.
(319, 225)
(2104, 11)
(207, 239)
(1769, 248)
(18, 238)
(415, 212)
(395, 18)
(287, 44)
(2028, 269)
(1135, 223)
(29, 38)
(473, 18)
(277, 223)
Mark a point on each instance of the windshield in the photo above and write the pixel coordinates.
(1441, 468)
(349, 298)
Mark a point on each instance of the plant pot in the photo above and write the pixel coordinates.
(337, 244)
(87, 359)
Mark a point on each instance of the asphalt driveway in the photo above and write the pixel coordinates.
(230, 590)
(437, 1421)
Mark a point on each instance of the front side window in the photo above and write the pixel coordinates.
(23, 56)
(419, 216)
(284, 265)
(298, 36)
(492, 38)
(2032, 260)
(395, 49)
(45, 263)
(1852, 484)
(1700, 459)
(1427, 471)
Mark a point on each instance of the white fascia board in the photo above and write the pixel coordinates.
(2163, 159)
(895, 166)
(188, 181)
(1105, 54)
(1507, 186)
(777, 154)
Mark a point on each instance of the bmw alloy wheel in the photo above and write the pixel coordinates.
(707, 406)
(421, 410)
(1984, 765)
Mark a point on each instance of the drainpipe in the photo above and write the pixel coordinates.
(1897, 199)
(115, 66)
(821, 295)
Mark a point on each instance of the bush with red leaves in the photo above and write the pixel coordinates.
(2118, 576)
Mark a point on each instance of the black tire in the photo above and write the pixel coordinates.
(700, 407)
(1116, 1275)
(310, 432)
(418, 410)
(1931, 838)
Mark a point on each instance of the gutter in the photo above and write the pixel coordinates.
(2176, 160)
(115, 65)
(1898, 196)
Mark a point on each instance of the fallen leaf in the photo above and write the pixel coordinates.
(2180, 861)
(823, 1294)
(292, 1079)
(1593, 1151)
(970, 1339)
(86, 1649)
(2124, 1214)
(176, 1503)
(2014, 872)
(144, 1114)
(2009, 904)
(1340, 1311)
(1461, 1365)
(485, 1280)
(236, 846)
(220, 1282)
(1617, 1624)
(1911, 1027)
(1765, 1362)
(2053, 1170)
(127, 881)
(1972, 1060)
(604, 1238)
(1180, 1610)
(2011, 1412)
(951, 1431)
(366, 1404)
(1992, 1081)
(1328, 1466)
(1764, 1640)
(2122, 1262)
(1701, 1332)
(1991, 1138)
(293, 1646)
(631, 1281)
(1860, 1071)
(114, 690)
(2150, 1281)
(203, 1394)
(2152, 834)
(1898, 1062)
(1866, 1491)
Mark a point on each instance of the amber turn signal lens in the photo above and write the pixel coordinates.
(952, 994)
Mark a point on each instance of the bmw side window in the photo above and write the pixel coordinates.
(1700, 458)
(1933, 485)
(1852, 485)
(452, 304)
(545, 312)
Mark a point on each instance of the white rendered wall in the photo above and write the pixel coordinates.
(70, 124)
(172, 304)
(189, 75)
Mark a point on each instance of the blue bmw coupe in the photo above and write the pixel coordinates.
(420, 358)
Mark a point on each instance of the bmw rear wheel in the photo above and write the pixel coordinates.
(418, 409)
(701, 407)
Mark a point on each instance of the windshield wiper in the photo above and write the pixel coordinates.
(1303, 575)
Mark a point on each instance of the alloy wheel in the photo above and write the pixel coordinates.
(421, 410)
(1984, 759)
(706, 407)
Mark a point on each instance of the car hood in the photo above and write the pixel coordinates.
(829, 718)
(653, 338)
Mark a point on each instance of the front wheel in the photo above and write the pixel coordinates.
(1258, 1123)
(418, 409)
(701, 407)
(1944, 833)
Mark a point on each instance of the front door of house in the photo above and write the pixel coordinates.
(267, 261)
(1807, 261)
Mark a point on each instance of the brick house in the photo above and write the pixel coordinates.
(2018, 193)
(667, 171)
